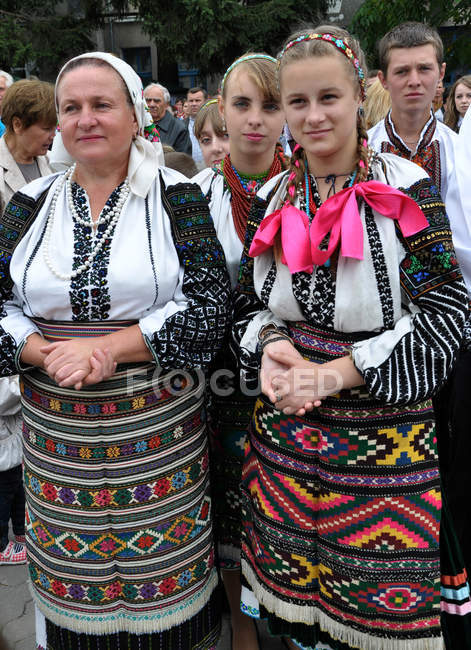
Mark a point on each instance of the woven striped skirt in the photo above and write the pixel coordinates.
(119, 532)
(341, 512)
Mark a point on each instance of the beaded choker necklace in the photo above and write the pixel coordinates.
(243, 189)
(108, 215)
(251, 182)
(303, 193)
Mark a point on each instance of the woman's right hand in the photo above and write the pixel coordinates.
(271, 368)
(68, 362)
(77, 363)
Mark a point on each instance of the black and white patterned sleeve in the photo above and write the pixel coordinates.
(467, 334)
(8, 347)
(15, 222)
(190, 338)
(7, 355)
(427, 339)
(250, 312)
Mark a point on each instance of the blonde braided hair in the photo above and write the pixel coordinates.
(297, 170)
(362, 149)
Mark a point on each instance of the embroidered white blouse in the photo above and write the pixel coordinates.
(435, 134)
(220, 208)
(142, 274)
(407, 292)
(459, 199)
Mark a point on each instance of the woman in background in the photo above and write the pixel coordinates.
(458, 102)
(29, 115)
(377, 103)
(211, 134)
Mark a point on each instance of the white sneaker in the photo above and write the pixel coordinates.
(14, 553)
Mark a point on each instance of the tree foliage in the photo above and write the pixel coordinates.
(376, 17)
(212, 33)
(43, 33)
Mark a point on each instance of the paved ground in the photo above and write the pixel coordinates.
(17, 615)
(16, 610)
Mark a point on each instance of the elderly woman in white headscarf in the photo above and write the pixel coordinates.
(60, 159)
(114, 261)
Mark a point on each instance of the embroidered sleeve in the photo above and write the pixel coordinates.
(423, 344)
(191, 337)
(7, 354)
(467, 334)
(250, 312)
(14, 325)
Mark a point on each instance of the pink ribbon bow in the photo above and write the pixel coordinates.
(338, 216)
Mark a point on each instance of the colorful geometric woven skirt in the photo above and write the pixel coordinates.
(119, 531)
(341, 513)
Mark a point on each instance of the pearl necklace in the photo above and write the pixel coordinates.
(106, 214)
(111, 216)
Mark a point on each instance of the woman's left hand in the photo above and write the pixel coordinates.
(303, 386)
(103, 366)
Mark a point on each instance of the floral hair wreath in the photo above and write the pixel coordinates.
(340, 45)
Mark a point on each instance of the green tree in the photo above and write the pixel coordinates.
(43, 33)
(212, 33)
(376, 17)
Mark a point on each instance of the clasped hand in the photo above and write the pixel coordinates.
(77, 363)
(295, 385)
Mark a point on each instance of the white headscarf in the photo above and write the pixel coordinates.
(145, 156)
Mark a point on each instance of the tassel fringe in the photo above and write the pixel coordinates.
(337, 631)
(127, 621)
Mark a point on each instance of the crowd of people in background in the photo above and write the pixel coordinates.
(236, 347)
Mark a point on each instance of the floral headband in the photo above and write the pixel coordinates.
(340, 45)
(249, 57)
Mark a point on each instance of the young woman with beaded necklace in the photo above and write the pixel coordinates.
(350, 305)
(250, 106)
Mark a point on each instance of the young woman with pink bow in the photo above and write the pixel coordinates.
(350, 306)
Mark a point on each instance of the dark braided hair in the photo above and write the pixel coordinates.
(316, 48)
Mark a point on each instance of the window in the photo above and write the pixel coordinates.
(140, 59)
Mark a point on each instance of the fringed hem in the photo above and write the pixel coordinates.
(127, 621)
(310, 615)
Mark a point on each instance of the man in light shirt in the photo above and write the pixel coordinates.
(411, 65)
